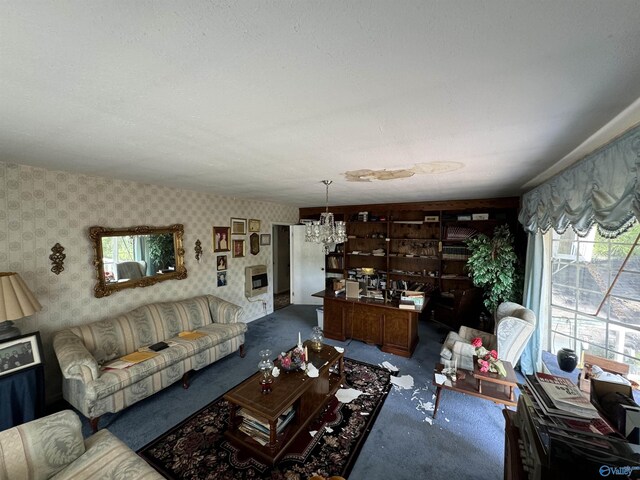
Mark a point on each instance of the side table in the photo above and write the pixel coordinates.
(483, 385)
(21, 396)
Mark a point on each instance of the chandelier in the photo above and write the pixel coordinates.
(326, 231)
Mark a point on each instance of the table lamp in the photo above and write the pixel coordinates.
(16, 301)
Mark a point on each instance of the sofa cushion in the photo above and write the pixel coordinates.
(38, 450)
(112, 338)
(111, 381)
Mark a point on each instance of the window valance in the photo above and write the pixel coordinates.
(603, 188)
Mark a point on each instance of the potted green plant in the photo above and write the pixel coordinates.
(161, 250)
(493, 266)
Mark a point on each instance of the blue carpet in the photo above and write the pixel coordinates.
(466, 441)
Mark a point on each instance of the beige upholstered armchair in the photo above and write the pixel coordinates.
(131, 270)
(514, 327)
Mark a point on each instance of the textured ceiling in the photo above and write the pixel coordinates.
(264, 99)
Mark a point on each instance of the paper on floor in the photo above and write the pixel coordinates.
(389, 366)
(404, 381)
(346, 395)
(339, 349)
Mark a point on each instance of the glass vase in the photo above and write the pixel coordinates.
(265, 366)
(317, 339)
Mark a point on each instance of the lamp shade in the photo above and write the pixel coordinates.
(16, 300)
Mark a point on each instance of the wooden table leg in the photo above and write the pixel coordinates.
(273, 439)
(435, 409)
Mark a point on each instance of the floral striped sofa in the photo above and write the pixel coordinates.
(52, 447)
(83, 350)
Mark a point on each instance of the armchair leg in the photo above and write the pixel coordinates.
(93, 421)
(185, 380)
(242, 351)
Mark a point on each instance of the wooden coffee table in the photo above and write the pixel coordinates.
(308, 396)
(489, 386)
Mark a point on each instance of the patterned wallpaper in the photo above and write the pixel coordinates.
(40, 207)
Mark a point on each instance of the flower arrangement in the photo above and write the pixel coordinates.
(293, 360)
(488, 359)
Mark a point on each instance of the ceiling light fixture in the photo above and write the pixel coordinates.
(326, 231)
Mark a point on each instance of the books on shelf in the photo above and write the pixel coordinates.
(259, 429)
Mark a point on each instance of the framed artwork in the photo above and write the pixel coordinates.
(254, 244)
(254, 225)
(222, 279)
(265, 239)
(220, 239)
(21, 352)
(238, 247)
(238, 226)
(221, 262)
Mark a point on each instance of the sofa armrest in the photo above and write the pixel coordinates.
(463, 349)
(42, 447)
(74, 358)
(108, 457)
(223, 311)
(489, 340)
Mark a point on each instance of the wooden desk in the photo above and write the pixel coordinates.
(371, 321)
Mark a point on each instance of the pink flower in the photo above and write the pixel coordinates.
(484, 365)
(493, 354)
(476, 342)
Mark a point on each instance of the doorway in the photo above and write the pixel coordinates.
(281, 266)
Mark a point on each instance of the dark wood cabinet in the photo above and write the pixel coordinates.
(376, 323)
(420, 246)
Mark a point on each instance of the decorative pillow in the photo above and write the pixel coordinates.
(39, 449)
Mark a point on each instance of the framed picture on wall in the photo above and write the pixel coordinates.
(221, 262)
(222, 279)
(254, 225)
(238, 226)
(21, 352)
(238, 247)
(265, 239)
(221, 239)
(254, 244)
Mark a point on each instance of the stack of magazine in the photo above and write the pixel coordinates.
(571, 438)
(259, 429)
(560, 396)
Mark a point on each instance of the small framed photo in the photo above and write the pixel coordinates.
(254, 244)
(238, 226)
(238, 247)
(221, 239)
(221, 262)
(265, 239)
(254, 225)
(21, 352)
(222, 279)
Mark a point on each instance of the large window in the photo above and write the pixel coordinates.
(583, 315)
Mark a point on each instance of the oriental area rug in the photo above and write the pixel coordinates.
(196, 449)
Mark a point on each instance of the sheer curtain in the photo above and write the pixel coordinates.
(602, 189)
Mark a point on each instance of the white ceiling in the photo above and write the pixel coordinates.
(264, 99)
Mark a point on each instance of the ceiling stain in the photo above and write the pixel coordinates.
(366, 175)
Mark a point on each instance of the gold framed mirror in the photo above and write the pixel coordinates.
(136, 257)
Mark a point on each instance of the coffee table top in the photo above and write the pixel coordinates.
(510, 378)
(285, 389)
(497, 391)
